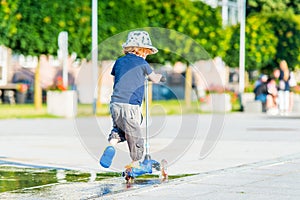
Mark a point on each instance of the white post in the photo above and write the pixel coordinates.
(242, 7)
(95, 52)
(63, 47)
(224, 13)
(3, 65)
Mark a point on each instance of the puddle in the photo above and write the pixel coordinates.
(16, 178)
(25, 182)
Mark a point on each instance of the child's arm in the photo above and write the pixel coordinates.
(156, 78)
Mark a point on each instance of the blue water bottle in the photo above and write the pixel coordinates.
(107, 156)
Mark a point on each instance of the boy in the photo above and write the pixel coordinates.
(129, 74)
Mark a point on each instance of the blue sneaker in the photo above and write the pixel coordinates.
(107, 156)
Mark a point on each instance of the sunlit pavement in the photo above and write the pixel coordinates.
(272, 179)
(272, 142)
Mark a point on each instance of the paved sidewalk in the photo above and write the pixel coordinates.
(274, 179)
(244, 138)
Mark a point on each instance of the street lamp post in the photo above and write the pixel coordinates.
(95, 52)
(242, 7)
(63, 49)
(225, 13)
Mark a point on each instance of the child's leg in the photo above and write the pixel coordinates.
(136, 147)
(135, 141)
(133, 132)
(116, 136)
(109, 152)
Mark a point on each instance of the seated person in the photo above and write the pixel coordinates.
(262, 79)
(272, 97)
(266, 92)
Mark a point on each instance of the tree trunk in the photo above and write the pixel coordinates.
(37, 88)
(188, 86)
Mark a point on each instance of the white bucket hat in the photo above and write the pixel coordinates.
(139, 39)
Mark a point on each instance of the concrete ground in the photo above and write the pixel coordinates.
(212, 146)
(272, 179)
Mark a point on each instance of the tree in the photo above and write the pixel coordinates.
(31, 27)
(261, 43)
(201, 23)
(295, 4)
(115, 17)
(197, 20)
(287, 30)
(9, 19)
(272, 6)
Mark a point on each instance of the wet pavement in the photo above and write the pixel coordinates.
(272, 179)
(50, 183)
(25, 181)
(262, 149)
(276, 179)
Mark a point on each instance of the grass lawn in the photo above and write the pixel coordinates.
(171, 107)
(22, 111)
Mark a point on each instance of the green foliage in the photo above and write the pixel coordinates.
(285, 19)
(32, 27)
(287, 30)
(9, 19)
(260, 43)
(182, 30)
(295, 4)
(176, 46)
(114, 18)
(185, 34)
(36, 24)
(271, 6)
(198, 21)
(269, 39)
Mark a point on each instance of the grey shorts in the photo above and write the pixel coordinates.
(127, 127)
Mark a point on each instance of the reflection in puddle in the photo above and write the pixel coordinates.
(15, 178)
(50, 183)
(18, 178)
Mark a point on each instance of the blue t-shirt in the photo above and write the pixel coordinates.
(129, 72)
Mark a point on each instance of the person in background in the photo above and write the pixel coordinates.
(262, 79)
(260, 91)
(284, 88)
(272, 97)
(276, 74)
(292, 83)
(266, 92)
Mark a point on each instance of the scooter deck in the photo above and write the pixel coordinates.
(131, 173)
